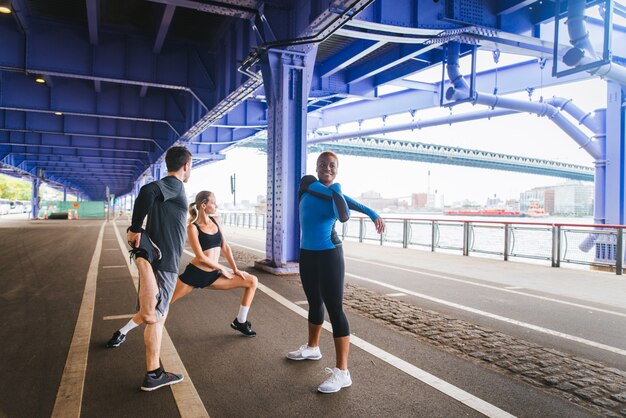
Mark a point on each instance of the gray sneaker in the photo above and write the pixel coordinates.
(305, 353)
(339, 379)
(152, 383)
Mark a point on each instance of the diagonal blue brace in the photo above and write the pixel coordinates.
(287, 78)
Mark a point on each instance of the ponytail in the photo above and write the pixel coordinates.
(193, 213)
(194, 208)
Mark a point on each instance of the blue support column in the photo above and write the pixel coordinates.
(287, 78)
(615, 187)
(65, 194)
(35, 198)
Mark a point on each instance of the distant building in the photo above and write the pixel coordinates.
(572, 198)
(426, 200)
(534, 196)
(419, 200)
(375, 201)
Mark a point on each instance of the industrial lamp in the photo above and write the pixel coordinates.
(39, 79)
(5, 6)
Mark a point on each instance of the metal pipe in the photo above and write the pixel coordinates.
(460, 89)
(579, 38)
(444, 120)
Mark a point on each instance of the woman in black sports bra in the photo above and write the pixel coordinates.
(204, 234)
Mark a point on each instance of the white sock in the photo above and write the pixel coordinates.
(128, 327)
(243, 314)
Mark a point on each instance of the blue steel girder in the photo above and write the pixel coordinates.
(58, 50)
(48, 123)
(513, 78)
(76, 97)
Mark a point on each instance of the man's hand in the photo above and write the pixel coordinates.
(133, 238)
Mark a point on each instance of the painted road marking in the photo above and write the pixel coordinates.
(185, 394)
(488, 314)
(113, 267)
(442, 386)
(425, 377)
(396, 295)
(497, 317)
(114, 317)
(70, 394)
(441, 276)
(301, 302)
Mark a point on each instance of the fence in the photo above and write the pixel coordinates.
(586, 244)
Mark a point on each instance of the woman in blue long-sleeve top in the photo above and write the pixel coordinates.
(322, 203)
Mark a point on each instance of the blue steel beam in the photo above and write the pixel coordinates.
(93, 20)
(513, 78)
(76, 97)
(56, 49)
(31, 139)
(352, 53)
(20, 121)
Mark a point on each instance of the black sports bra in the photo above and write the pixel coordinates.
(209, 240)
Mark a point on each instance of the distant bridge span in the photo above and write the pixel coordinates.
(443, 154)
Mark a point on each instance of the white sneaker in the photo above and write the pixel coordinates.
(305, 353)
(339, 379)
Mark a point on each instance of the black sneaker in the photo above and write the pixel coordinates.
(116, 340)
(243, 328)
(152, 383)
(147, 249)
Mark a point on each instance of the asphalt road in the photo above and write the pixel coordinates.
(47, 266)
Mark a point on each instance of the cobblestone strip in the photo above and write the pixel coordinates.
(587, 383)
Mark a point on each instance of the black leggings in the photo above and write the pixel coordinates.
(321, 272)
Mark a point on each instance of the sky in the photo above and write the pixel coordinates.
(520, 134)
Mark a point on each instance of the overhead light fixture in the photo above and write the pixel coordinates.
(39, 79)
(5, 6)
(58, 113)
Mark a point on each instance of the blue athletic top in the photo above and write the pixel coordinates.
(320, 207)
(209, 240)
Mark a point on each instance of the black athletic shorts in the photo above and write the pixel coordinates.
(196, 277)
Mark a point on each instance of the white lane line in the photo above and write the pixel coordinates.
(113, 267)
(496, 317)
(185, 394)
(444, 387)
(487, 314)
(301, 302)
(70, 394)
(396, 295)
(513, 287)
(441, 276)
(114, 317)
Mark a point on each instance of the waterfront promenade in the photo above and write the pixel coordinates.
(434, 334)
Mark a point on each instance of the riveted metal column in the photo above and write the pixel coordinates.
(614, 187)
(287, 78)
(35, 198)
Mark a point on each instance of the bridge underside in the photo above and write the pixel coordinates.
(93, 93)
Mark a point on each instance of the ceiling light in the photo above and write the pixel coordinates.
(58, 113)
(39, 78)
(5, 6)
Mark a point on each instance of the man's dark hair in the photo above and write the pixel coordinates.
(176, 157)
